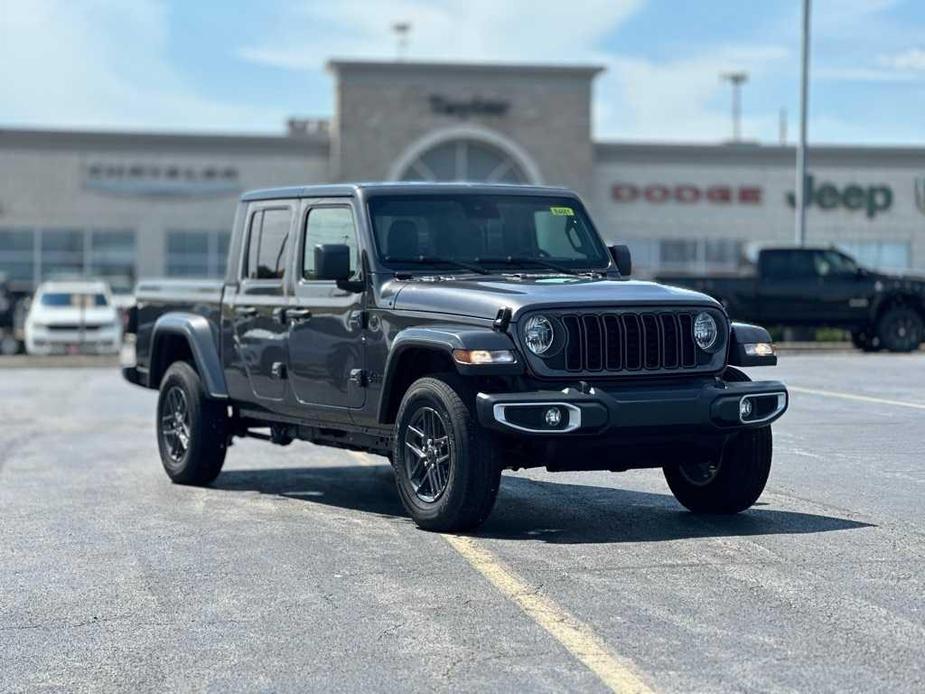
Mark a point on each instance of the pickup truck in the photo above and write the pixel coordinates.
(822, 287)
(458, 329)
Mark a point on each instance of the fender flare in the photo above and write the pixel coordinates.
(444, 339)
(197, 331)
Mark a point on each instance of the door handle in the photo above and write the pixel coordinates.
(298, 315)
(246, 311)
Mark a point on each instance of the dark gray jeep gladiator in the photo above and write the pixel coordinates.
(459, 329)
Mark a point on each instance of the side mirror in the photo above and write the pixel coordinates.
(621, 256)
(332, 262)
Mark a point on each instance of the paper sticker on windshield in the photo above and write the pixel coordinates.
(562, 211)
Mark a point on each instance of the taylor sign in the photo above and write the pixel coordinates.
(686, 193)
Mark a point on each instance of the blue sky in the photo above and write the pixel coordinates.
(237, 66)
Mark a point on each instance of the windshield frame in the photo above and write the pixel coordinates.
(551, 198)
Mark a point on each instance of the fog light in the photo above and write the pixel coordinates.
(553, 417)
(745, 408)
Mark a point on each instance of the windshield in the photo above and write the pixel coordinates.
(498, 231)
(73, 300)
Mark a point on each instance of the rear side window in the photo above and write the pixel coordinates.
(269, 239)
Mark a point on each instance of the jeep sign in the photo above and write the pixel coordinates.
(827, 196)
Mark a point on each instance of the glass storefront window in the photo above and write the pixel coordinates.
(62, 253)
(194, 253)
(17, 254)
(112, 258)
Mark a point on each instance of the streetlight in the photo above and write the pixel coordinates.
(800, 190)
(401, 29)
(736, 79)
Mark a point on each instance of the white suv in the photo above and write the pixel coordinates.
(73, 317)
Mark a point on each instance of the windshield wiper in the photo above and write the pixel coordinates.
(515, 260)
(431, 260)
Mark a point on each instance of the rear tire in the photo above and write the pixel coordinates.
(446, 465)
(191, 428)
(866, 341)
(900, 329)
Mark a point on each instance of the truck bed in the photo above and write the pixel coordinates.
(153, 298)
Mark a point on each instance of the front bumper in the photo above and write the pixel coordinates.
(709, 407)
(100, 341)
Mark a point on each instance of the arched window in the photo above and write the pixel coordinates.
(464, 160)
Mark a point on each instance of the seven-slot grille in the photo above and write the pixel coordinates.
(629, 341)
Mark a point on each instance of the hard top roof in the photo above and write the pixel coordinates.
(340, 190)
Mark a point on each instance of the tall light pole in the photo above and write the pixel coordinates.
(800, 190)
(401, 29)
(736, 79)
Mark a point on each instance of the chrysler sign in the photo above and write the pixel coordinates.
(687, 194)
(161, 180)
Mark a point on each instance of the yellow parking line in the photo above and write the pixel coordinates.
(859, 398)
(577, 637)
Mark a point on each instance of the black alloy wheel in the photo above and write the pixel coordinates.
(901, 329)
(430, 462)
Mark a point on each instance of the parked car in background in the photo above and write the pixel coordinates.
(822, 287)
(73, 317)
(8, 342)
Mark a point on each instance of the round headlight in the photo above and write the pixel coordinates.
(705, 331)
(538, 334)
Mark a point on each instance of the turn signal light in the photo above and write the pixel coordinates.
(483, 356)
(759, 349)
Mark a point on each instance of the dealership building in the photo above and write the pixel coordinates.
(125, 206)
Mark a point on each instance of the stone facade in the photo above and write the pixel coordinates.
(539, 115)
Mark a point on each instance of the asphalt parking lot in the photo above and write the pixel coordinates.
(299, 571)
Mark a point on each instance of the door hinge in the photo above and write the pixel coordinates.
(358, 376)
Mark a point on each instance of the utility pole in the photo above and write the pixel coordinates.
(800, 190)
(401, 30)
(736, 79)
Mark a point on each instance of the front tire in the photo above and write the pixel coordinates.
(446, 466)
(730, 485)
(191, 428)
(734, 482)
(900, 329)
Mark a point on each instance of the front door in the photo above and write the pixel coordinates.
(326, 324)
(254, 307)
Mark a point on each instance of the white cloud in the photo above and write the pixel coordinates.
(677, 99)
(472, 30)
(99, 64)
(911, 60)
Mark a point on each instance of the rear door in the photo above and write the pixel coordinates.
(255, 306)
(787, 286)
(326, 324)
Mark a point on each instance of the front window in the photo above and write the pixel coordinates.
(491, 231)
(73, 300)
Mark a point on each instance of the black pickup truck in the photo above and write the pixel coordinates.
(458, 329)
(822, 287)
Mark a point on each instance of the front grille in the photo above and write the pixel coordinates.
(73, 327)
(629, 341)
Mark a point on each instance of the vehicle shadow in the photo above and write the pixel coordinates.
(527, 509)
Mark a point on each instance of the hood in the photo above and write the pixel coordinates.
(482, 297)
(897, 280)
(70, 315)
